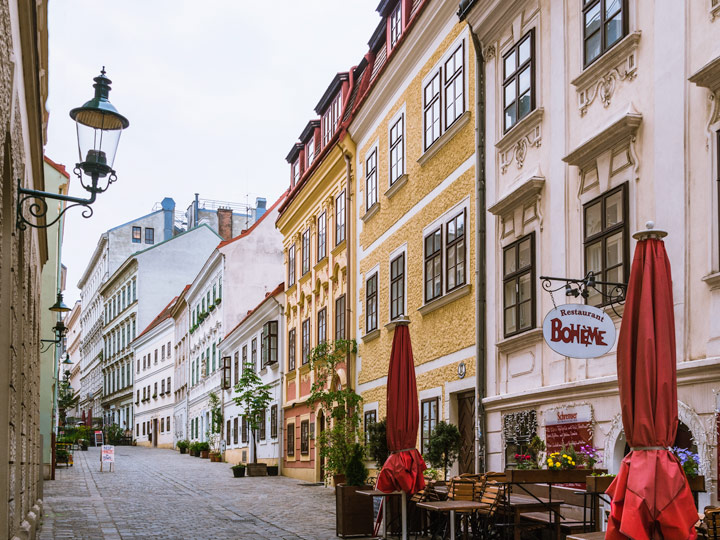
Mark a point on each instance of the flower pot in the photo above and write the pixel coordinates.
(238, 472)
(353, 512)
(204, 454)
(272, 470)
(183, 450)
(697, 484)
(215, 457)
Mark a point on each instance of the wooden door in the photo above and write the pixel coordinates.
(155, 432)
(466, 422)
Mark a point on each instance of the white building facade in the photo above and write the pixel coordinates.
(153, 351)
(258, 340)
(181, 344)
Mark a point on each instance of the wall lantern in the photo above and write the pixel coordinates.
(59, 306)
(60, 330)
(99, 126)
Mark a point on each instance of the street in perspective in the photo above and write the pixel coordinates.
(430, 269)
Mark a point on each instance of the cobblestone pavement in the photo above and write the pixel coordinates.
(158, 494)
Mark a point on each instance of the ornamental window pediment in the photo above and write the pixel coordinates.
(520, 205)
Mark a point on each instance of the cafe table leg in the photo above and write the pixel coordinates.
(452, 524)
(384, 516)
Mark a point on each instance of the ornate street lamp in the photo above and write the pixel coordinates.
(59, 330)
(99, 126)
(59, 306)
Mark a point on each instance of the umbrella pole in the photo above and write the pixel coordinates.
(404, 516)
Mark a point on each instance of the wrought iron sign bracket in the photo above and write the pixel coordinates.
(612, 293)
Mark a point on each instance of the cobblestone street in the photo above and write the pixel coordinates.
(158, 494)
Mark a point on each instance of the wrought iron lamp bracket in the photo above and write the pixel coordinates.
(612, 293)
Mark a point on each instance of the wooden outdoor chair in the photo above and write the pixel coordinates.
(711, 521)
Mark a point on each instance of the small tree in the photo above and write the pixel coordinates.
(443, 447)
(377, 442)
(338, 404)
(214, 431)
(67, 399)
(254, 398)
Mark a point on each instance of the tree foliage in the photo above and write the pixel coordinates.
(216, 422)
(67, 399)
(443, 447)
(377, 442)
(254, 397)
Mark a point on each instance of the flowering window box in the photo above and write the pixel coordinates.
(697, 484)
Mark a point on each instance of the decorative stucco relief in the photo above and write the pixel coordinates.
(514, 146)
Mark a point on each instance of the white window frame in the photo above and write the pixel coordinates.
(374, 149)
(399, 115)
(375, 270)
(310, 151)
(393, 255)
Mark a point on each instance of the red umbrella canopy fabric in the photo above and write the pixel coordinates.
(403, 470)
(650, 495)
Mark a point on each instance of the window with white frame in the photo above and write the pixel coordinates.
(296, 172)
(433, 265)
(371, 179)
(444, 95)
(291, 265)
(397, 286)
(396, 24)
(310, 152)
(371, 303)
(322, 326)
(445, 247)
(340, 218)
(322, 236)
(397, 150)
(519, 80)
(331, 118)
(305, 252)
(455, 251)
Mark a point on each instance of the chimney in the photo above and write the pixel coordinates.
(168, 208)
(225, 223)
(260, 207)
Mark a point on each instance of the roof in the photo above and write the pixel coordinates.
(59, 168)
(280, 288)
(330, 92)
(309, 130)
(254, 225)
(294, 152)
(164, 315)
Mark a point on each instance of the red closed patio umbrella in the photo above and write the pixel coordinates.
(403, 470)
(650, 495)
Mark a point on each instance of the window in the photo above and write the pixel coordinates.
(235, 430)
(168, 347)
(162, 387)
(606, 240)
(519, 80)
(322, 326)
(269, 343)
(273, 421)
(214, 354)
(429, 411)
(340, 218)
(305, 437)
(244, 357)
(455, 251)
(397, 151)
(305, 341)
(162, 425)
(454, 86)
(291, 439)
(371, 304)
(433, 265)
(155, 391)
(604, 24)
(295, 172)
(134, 289)
(162, 352)
(305, 252)
(261, 430)
(253, 354)
(322, 236)
(396, 24)
(137, 399)
(137, 235)
(330, 119)
(291, 265)
(167, 386)
(149, 235)
(371, 179)
(397, 286)
(431, 110)
(370, 417)
(518, 288)
(227, 432)
(236, 368)
(291, 350)
(340, 318)
(310, 152)
(244, 429)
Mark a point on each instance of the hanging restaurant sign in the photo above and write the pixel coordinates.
(579, 331)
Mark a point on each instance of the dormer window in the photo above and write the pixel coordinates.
(395, 24)
(331, 118)
(296, 172)
(310, 152)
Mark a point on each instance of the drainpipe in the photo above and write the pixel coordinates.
(348, 273)
(480, 268)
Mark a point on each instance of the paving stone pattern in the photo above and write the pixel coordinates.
(160, 494)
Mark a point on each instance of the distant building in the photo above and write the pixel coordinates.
(73, 339)
(263, 327)
(181, 339)
(154, 367)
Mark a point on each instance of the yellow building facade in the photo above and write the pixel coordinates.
(317, 224)
(415, 201)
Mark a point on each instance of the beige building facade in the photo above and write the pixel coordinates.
(599, 117)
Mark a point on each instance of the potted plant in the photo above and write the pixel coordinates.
(238, 470)
(194, 450)
(690, 463)
(204, 448)
(183, 446)
(354, 512)
(254, 397)
(62, 456)
(339, 404)
(215, 431)
(443, 446)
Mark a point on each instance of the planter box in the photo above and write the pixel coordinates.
(697, 484)
(272, 470)
(545, 476)
(238, 473)
(257, 469)
(204, 454)
(353, 512)
(215, 457)
(598, 484)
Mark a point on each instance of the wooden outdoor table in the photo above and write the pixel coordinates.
(378, 493)
(452, 507)
(524, 503)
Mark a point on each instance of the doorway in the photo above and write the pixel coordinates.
(155, 432)
(466, 422)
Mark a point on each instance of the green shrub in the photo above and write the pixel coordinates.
(238, 467)
(356, 473)
(203, 446)
(377, 442)
(183, 445)
(443, 447)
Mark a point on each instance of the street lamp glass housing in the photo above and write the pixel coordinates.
(99, 125)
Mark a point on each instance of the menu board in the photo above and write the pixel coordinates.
(568, 426)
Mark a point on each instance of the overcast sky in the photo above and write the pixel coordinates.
(216, 92)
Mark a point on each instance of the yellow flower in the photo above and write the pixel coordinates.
(550, 462)
(557, 465)
(566, 456)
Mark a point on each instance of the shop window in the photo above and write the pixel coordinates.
(606, 241)
(518, 285)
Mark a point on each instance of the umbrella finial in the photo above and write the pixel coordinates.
(650, 232)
